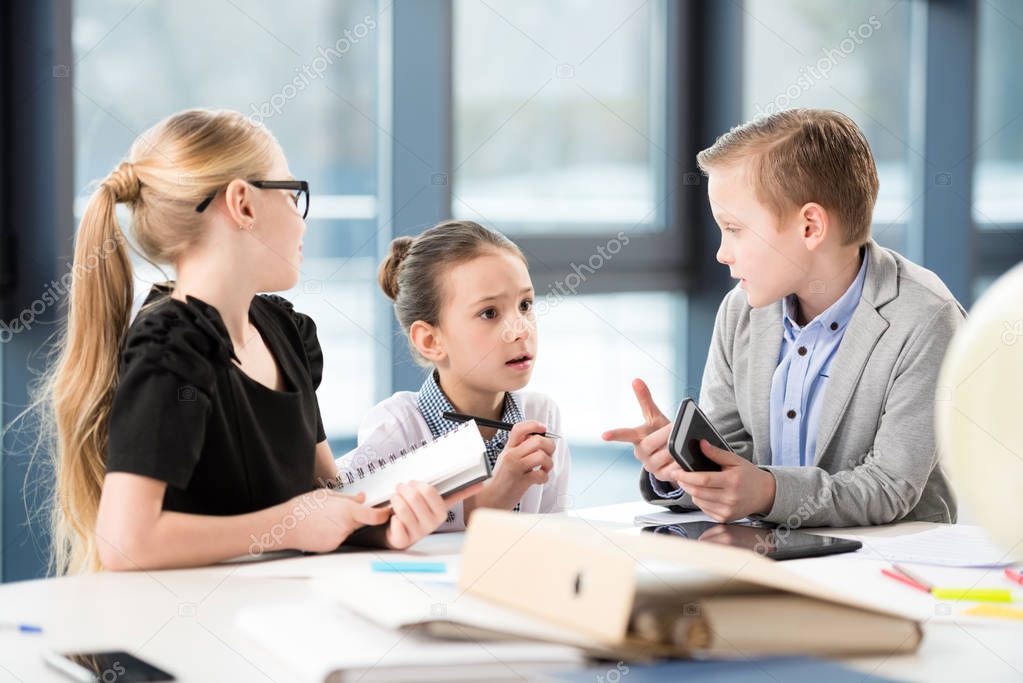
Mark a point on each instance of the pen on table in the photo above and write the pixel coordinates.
(891, 574)
(484, 422)
(903, 575)
(1014, 575)
(23, 628)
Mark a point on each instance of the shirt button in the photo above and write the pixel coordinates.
(791, 414)
(802, 350)
(834, 326)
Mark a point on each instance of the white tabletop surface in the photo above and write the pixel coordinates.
(184, 620)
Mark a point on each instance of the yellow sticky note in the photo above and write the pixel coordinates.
(995, 611)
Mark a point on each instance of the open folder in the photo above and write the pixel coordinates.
(666, 596)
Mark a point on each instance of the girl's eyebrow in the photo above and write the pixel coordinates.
(493, 297)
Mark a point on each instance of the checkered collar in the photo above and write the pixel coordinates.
(433, 403)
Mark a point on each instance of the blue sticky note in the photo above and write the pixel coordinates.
(420, 567)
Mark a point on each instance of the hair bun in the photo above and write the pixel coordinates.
(391, 267)
(124, 183)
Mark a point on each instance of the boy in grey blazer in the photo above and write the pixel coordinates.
(824, 359)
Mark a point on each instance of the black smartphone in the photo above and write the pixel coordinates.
(773, 543)
(105, 666)
(691, 425)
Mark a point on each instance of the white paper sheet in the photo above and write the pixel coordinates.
(317, 640)
(657, 518)
(949, 545)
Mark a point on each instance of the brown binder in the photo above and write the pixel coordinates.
(668, 594)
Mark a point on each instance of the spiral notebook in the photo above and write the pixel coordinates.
(452, 462)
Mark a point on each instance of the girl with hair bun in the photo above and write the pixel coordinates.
(464, 298)
(193, 434)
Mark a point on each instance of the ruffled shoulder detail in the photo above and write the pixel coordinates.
(187, 339)
(306, 329)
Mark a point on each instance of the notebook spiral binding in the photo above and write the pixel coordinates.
(368, 465)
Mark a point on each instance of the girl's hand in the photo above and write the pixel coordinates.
(418, 510)
(527, 460)
(321, 520)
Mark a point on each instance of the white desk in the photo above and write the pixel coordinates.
(183, 620)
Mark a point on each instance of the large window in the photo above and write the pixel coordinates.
(591, 347)
(570, 125)
(559, 130)
(564, 130)
(849, 56)
(998, 175)
(309, 74)
(559, 114)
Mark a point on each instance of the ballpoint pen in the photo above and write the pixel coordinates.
(1014, 574)
(23, 628)
(484, 422)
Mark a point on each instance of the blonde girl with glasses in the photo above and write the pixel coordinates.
(192, 434)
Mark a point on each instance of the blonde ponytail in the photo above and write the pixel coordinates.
(99, 309)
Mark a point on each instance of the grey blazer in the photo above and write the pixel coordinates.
(876, 460)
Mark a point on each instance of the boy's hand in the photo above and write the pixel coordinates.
(650, 439)
(738, 490)
(527, 460)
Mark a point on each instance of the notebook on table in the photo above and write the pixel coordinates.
(452, 462)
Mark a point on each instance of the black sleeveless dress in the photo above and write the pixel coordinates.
(185, 414)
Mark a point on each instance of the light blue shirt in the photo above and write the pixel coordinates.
(799, 381)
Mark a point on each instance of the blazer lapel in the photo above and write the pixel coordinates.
(764, 346)
(861, 335)
(865, 327)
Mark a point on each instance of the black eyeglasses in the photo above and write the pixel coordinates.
(300, 188)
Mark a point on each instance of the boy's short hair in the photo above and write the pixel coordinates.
(805, 155)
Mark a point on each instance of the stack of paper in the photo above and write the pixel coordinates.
(325, 642)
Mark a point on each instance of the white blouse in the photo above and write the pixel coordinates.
(396, 422)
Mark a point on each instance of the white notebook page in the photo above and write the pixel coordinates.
(460, 451)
